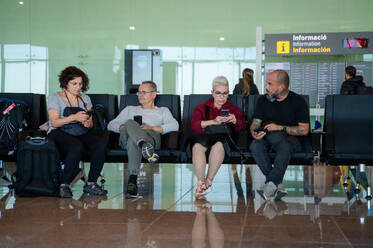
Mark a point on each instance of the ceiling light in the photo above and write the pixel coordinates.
(221, 38)
(21, 3)
(132, 27)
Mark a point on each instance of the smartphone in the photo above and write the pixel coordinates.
(259, 129)
(90, 112)
(138, 119)
(224, 112)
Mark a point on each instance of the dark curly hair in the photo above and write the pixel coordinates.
(71, 72)
(351, 71)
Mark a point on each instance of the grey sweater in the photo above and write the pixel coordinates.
(158, 116)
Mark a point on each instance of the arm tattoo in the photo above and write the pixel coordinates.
(297, 131)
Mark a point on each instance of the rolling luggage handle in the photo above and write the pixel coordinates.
(36, 140)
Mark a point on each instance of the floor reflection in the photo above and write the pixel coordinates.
(326, 206)
(206, 228)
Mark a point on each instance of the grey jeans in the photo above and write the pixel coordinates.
(130, 136)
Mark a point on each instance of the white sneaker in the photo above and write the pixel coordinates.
(267, 191)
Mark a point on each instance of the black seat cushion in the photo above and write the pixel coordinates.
(348, 125)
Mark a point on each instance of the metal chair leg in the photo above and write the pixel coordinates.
(80, 176)
(4, 176)
(369, 193)
(102, 179)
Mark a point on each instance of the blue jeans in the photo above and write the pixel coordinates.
(260, 151)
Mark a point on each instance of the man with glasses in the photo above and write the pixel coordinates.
(141, 138)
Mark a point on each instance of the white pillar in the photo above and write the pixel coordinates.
(259, 60)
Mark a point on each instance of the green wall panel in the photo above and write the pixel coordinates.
(169, 77)
(93, 34)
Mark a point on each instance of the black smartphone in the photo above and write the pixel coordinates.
(224, 112)
(138, 119)
(89, 112)
(259, 129)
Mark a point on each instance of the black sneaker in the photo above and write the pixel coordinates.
(65, 192)
(64, 203)
(148, 153)
(281, 192)
(94, 189)
(131, 190)
(92, 201)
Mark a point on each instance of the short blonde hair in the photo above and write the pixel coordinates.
(220, 80)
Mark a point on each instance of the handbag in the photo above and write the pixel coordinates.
(74, 128)
(216, 129)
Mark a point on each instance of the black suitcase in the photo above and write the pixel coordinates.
(37, 168)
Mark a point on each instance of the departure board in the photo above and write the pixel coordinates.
(363, 69)
(330, 78)
(270, 67)
(303, 80)
(319, 79)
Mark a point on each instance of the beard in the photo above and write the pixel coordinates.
(272, 97)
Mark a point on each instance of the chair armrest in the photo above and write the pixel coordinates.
(170, 141)
(106, 137)
(244, 139)
(317, 137)
(111, 139)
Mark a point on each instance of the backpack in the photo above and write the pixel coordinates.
(37, 168)
(12, 120)
(364, 90)
(353, 88)
(99, 120)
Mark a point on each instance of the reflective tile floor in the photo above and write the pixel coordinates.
(320, 211)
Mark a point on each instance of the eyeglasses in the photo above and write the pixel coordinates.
(221, 94)
(143, 92)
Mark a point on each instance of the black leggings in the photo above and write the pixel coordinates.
(72, 148)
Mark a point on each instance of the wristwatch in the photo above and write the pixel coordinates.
(284, 128)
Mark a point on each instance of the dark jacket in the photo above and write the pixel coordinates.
(238, 88)
(351, 86)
